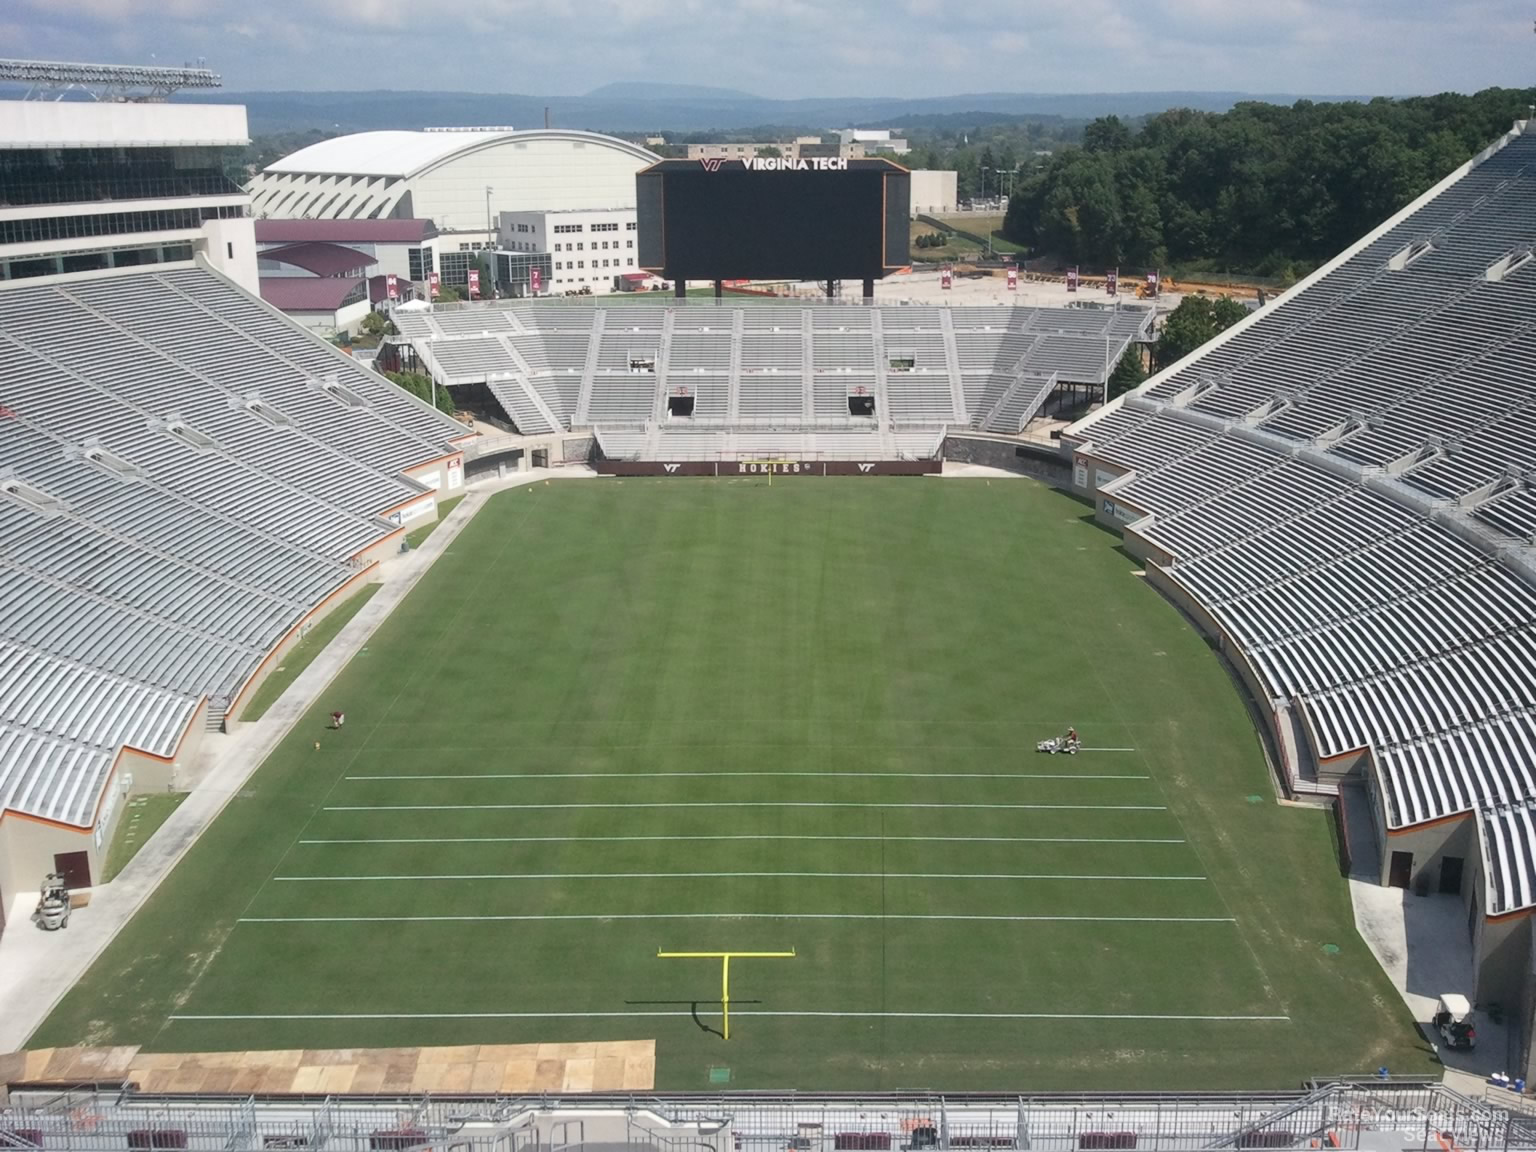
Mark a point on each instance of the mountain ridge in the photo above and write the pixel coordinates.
(682, 112)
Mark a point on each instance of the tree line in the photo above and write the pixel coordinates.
(1263, 189)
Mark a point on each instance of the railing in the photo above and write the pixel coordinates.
(1335, 1115)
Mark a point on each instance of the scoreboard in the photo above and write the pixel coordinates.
(818, 218)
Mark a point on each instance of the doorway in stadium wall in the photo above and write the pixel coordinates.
(1450, 875)
(75, 867)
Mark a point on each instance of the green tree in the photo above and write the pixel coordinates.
(1106, 134)
(1196, 320)
(1261, 189)
(420, 386)
(1128, 374)
(770, 151)
(377, 324)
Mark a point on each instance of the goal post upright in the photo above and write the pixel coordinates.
(725, 959)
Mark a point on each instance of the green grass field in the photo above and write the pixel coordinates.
(141, 820)
(623, 716)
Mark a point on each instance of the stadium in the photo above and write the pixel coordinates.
(679, 764)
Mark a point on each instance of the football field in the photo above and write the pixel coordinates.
(623, 717)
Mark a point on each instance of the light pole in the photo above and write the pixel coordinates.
(490, 237)
(984, 170)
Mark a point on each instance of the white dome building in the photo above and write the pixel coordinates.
(443, 175)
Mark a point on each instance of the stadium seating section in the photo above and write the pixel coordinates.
(1343, 484)
(770, 377)
(184, 476)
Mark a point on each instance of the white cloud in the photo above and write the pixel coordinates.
(792, 48)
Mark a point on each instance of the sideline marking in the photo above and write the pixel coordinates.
(739, 804)
(532, 916)
(739, 1012)
(748, 836)
(737, 876)
(814, 775)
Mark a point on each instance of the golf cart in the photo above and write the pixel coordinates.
(1453, 1020)
(1068, 744)
(52, 904)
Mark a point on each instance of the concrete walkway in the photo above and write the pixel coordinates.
(1421, 942)
(953, 469)
(37, 968)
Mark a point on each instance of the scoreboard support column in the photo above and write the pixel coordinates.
(869, 290)
(719, 289)
(680, 288)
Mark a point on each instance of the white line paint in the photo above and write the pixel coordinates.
(1106, 749)
(748, 836)
(534, 916)
(738, 1012)
(738, 804)
(715, 775)
(732, 876)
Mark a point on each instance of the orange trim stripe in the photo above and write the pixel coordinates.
(253, 678)
(1451, 819)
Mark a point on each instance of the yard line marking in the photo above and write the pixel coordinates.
(855, 1015)
(1106, 749)
(541, 916)
(737, 804)
(747, 836)
(736, 876)
(712, 775)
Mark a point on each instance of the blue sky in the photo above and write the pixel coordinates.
(803, 47)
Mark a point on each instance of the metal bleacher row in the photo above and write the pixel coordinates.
(786, 367)
(184, 476)
(1341, 484)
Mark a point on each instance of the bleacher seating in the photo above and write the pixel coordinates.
(785, 365)
(1338, 482)
(184, 476)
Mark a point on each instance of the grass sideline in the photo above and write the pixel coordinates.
(689, 715)
(301, 654)
(141, 819)
(417, 536)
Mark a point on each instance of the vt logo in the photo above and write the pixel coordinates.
(866, 467)
(712, 163)
(671, 467)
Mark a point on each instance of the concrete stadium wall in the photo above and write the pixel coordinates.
(1430, 844)
(1502, 948)
(28, 844)
(1011, 456)
(294, 636)
(444, 475)
(758, 468)
(27, 849)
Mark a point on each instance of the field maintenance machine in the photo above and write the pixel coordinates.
(52, 904)
(1068, 744)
